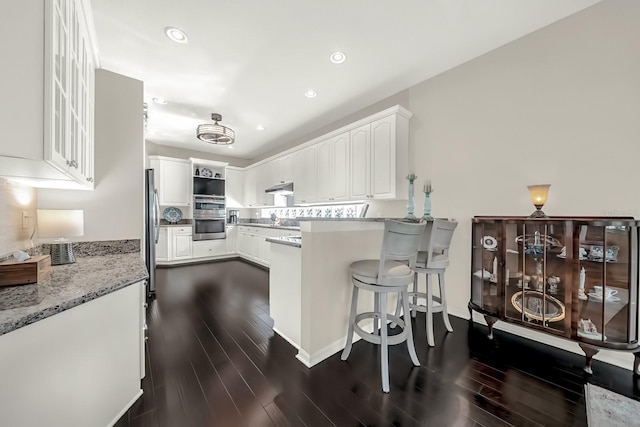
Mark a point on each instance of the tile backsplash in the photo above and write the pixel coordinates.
(14, 200)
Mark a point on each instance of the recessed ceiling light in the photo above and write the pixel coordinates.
(230, 147)
(311, 93)
(260, 127)
(338, 57)
(176, 35)
(160, 101)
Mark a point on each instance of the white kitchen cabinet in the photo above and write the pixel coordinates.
(163, 246)
(379, 159)
(283, 169)
(173, 180)
(232, 237)
(234, 188)
(252, 242)
(256, 181)
(333, 169)
(305, 175)
(54, 66)
(208, 248)
(88, 354)
(181, 246)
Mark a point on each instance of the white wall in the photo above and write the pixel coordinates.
(14, 200)
(559, 106)
(114, 210)
(182, 153)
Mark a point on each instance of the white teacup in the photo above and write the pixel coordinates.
(609, 292)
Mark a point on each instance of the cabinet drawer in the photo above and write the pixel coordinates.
(208, 248)
(181, 230)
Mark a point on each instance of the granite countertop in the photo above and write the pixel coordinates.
(295, 241)
(279, 227)
(69, 286)
(181, 223)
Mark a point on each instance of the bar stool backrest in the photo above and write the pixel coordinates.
(439, 239)
(401, 242)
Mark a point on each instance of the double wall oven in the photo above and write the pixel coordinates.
(209, 217)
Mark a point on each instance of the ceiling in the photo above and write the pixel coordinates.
(252, 60)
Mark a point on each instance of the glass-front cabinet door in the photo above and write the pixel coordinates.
(537, 291)
(486, 259)
(607, 309)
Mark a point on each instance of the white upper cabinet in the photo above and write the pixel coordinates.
(255, 184)
(173, 180)
(234, 188)
(53, 66)
(380, 158)
(305, 175)
(333, 169)
(283, 169)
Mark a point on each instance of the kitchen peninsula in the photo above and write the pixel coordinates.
(72, 347)
(310, 285)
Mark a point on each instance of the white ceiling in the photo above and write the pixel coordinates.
(252, 60)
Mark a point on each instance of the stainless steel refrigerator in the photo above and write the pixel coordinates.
(152, 229)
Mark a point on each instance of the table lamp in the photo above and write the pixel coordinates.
(59, 224)
(539, 195)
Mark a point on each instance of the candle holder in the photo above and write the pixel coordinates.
(411, 203)
(427, 200)
(427, 204)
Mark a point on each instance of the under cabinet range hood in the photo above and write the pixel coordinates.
(284, 188)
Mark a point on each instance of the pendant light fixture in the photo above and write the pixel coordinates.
(216, 133)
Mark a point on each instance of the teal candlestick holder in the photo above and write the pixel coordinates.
(411, 202)
(427, 205)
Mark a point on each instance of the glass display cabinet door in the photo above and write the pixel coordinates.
(485, 291)
(537, 292)
(606, 297)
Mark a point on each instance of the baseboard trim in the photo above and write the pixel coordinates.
(310, 360)
(125, 409)
(286, 338)
(190, 261)
(620, 358)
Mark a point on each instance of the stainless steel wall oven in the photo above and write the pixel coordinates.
(209, 217)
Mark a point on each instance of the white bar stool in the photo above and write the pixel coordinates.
(393, 272)
(433, 258)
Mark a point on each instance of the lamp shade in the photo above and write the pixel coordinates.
(539, 194)
(60, 223)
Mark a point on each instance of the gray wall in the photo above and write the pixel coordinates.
(182, 153)
(115, 209)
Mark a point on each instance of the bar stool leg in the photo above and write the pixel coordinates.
(429, 315)
(408, 329)
(352, 321)
(443, 302)
(384, 350)
(414, 312)
(376, 309)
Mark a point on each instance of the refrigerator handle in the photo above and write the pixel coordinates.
(156, 212)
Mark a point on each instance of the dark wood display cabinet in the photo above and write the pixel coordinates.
(572, 277)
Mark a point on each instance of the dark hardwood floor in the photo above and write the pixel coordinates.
(213, 360)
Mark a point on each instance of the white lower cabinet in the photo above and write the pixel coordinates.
(232, 237)
(175, 244)
(181, 243)
(208, 248)
(253, 245)
(162, 247)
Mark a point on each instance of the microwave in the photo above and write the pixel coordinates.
(209, 207)
(208, 186)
